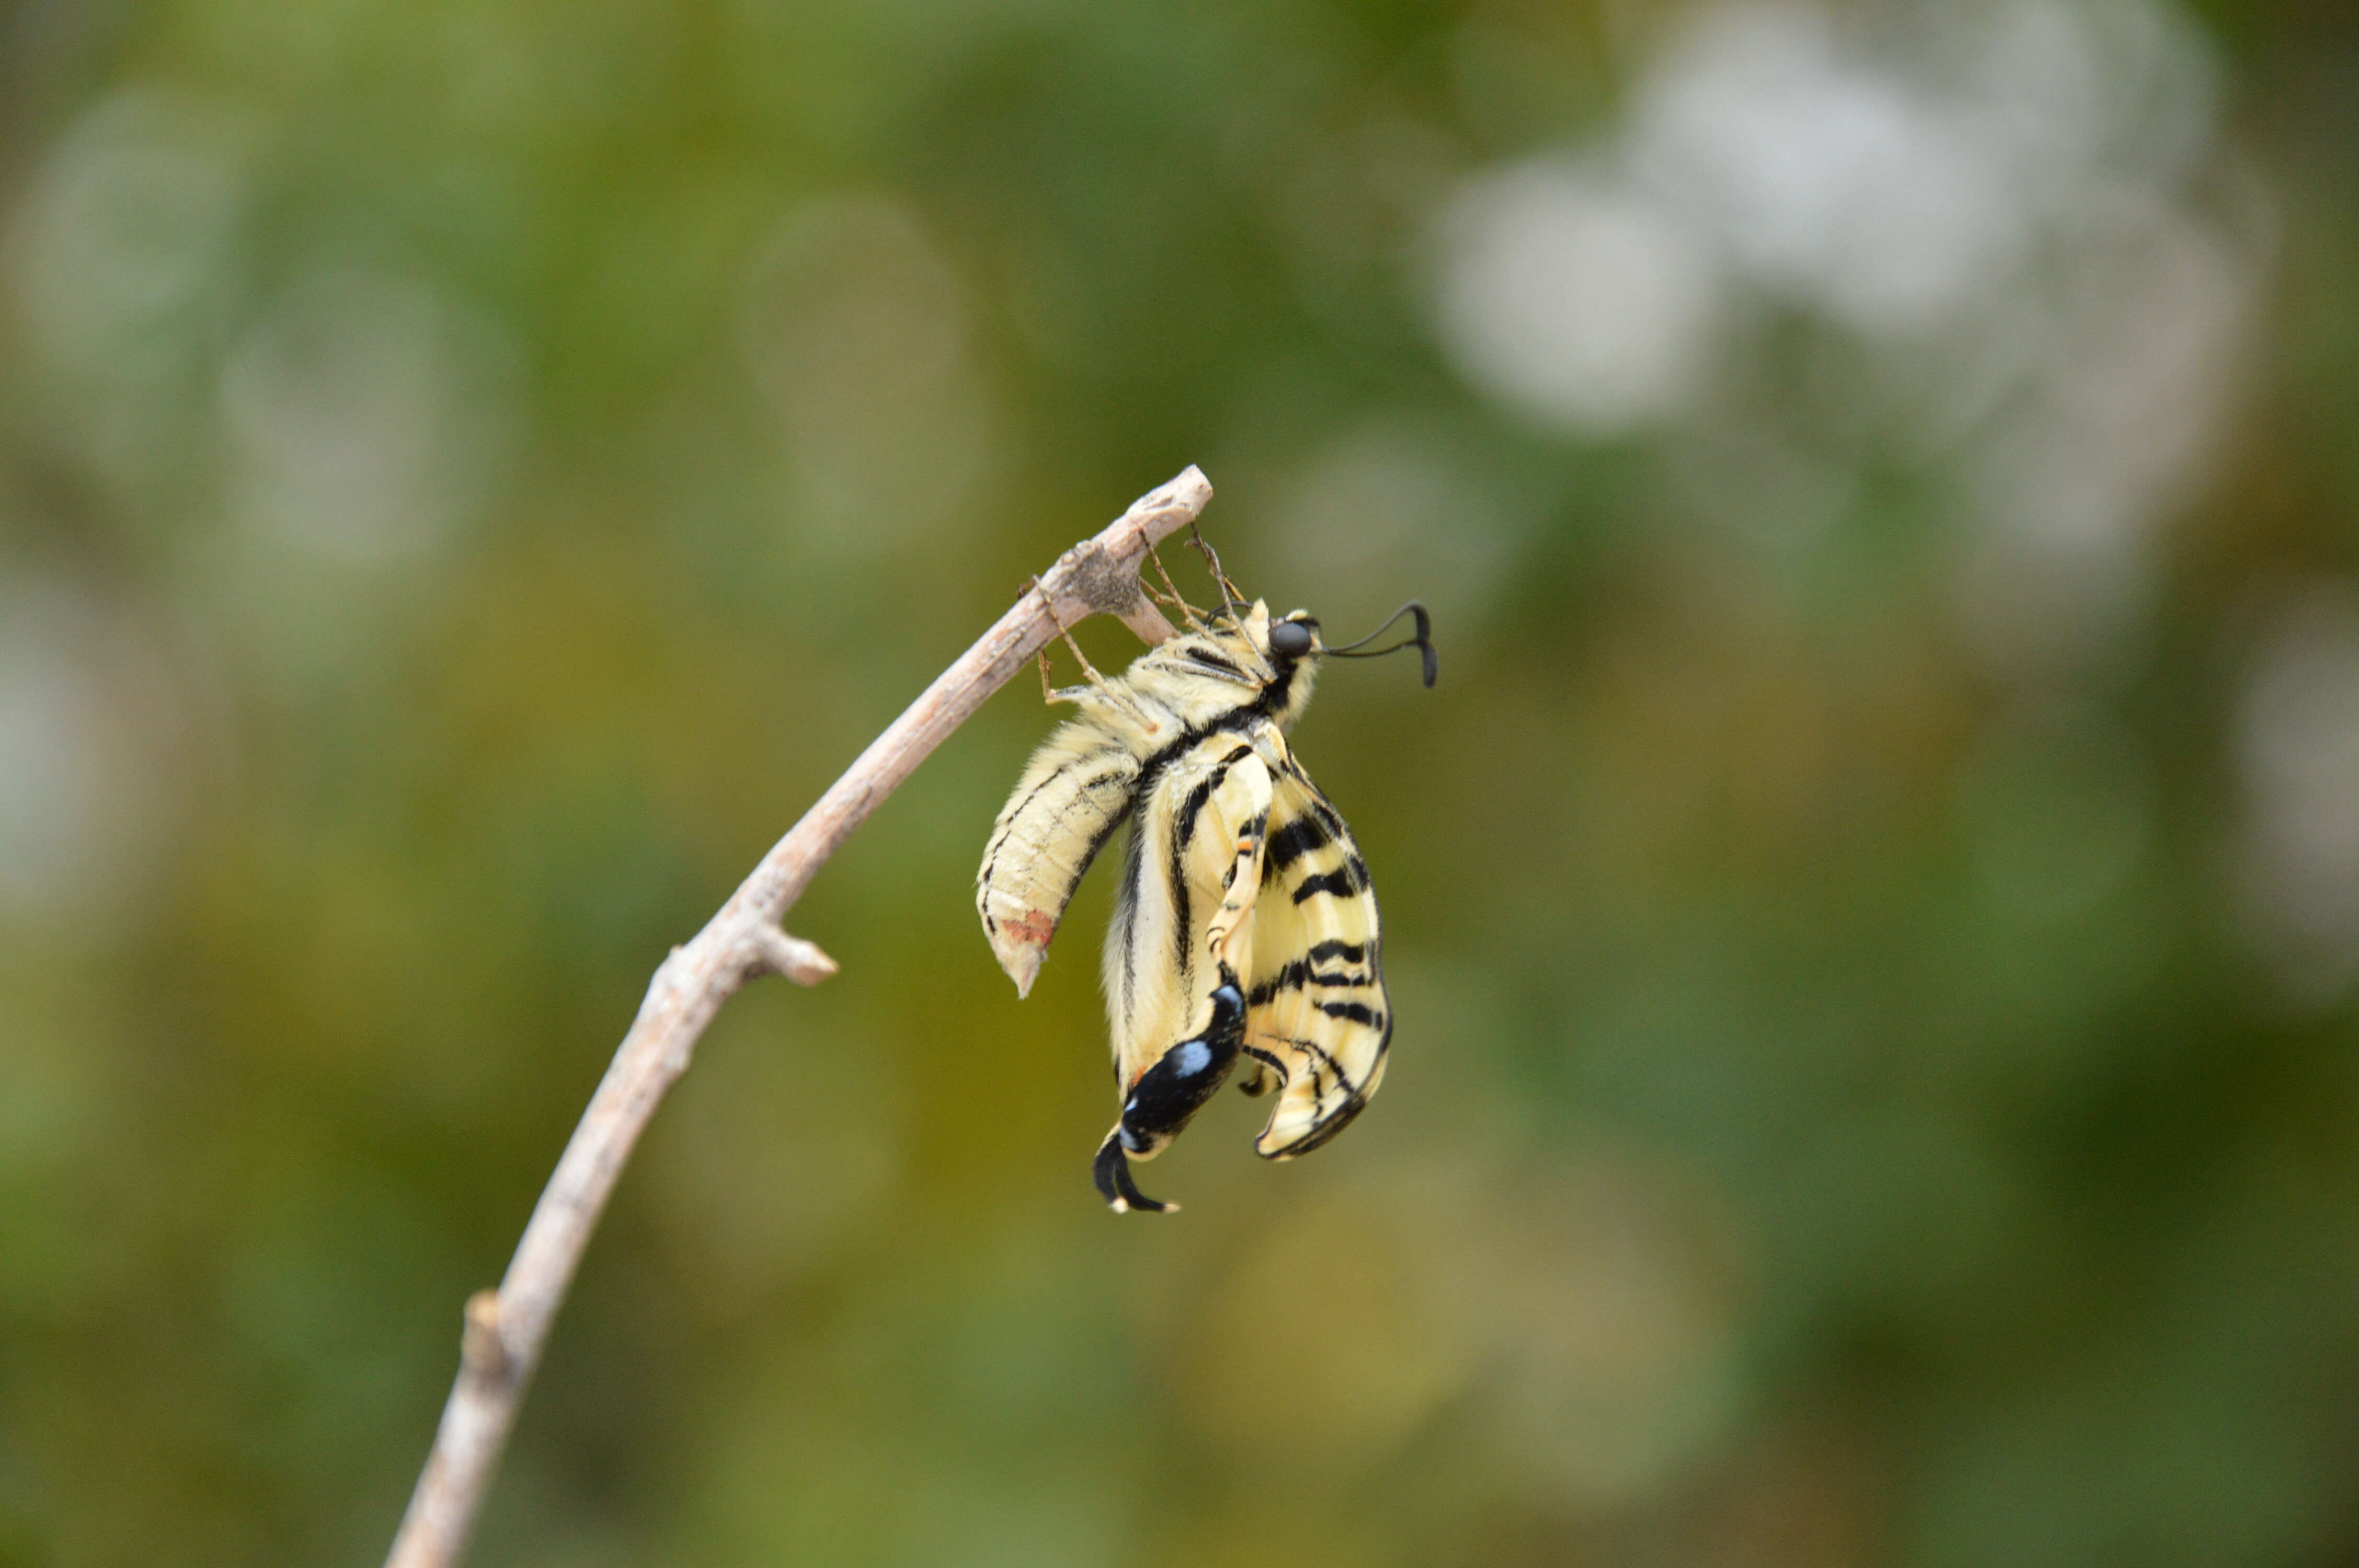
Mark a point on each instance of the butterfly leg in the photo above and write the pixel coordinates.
(1098, 686)
(1231, 597)
(1165, 1096)
(1170, 596)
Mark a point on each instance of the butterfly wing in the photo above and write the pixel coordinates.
(1183, 934)
(1178, 876)
(1317, 1017)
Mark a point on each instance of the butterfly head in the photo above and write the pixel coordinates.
(1242, 659)
(1296, 640)
(1289, 648)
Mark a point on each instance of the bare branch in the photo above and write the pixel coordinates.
(506, 1330)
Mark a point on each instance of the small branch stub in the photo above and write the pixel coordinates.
(507, 1329)
(798, 960)
(482, 1352)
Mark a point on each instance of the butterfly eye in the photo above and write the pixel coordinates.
(1289, 639)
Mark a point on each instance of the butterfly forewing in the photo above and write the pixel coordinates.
(1162, 957)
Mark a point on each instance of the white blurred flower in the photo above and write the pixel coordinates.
(854, 326)
(2127, 360)
(1581, 301)
(1842, 184)
(369, 413)
(49, 768)
(1990, 203)
(83, 789)
(2297, 743)
(123, 245)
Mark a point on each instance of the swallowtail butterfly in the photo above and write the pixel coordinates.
(1244, 931)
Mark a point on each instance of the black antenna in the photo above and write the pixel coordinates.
(1422, 641)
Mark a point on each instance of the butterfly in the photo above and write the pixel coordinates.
(1244, 926)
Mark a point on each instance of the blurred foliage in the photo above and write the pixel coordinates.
(1874, 903)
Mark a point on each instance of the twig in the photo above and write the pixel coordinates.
(507, 1329)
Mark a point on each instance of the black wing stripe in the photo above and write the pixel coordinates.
(1183, 833)
(1346, 881)
(1183, 915)
(1270, 1059)
(1293, 841)
(1298, 974)
(1319, 1054)
(1126, 909)
(1193, 807)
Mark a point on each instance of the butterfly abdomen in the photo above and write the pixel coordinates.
(1077, 790)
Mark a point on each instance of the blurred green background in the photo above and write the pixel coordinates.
(1872, 904)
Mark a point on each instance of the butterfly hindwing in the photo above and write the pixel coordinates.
(1317, 1015)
